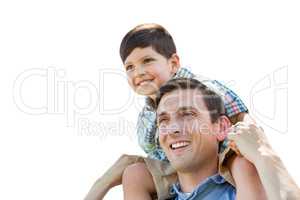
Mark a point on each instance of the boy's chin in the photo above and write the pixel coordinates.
(146, 92)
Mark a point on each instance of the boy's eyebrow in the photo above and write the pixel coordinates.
(127, 63)
(142, 58)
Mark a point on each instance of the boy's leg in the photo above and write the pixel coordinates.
(248, 184)
(112, 177)
(138, 183)
(148, 180)
(241, 172)
(164, 176)
(228, 151)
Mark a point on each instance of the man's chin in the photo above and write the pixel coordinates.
(180, 166)
(182, 162)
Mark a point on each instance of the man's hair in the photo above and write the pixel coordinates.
(148, 35)
(212, 100)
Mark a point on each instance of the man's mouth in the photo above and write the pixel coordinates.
(179, 145)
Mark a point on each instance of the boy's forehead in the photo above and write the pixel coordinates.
(139, 53)
(178, 99)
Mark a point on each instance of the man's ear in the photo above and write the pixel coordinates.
(224, 125)
(175, 63)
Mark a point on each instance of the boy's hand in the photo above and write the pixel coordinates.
(249, 141)
(252, 143)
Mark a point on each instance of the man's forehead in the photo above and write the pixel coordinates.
(188, 98)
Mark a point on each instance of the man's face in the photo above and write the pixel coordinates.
(147, 70)
(186, 133)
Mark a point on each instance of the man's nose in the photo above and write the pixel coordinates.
(174, 127)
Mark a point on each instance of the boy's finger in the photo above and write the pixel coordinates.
(234, 147)
(232, 135)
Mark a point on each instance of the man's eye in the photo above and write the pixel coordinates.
(188, 114)
(129, 67)
(162, 120)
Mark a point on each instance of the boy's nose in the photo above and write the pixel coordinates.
(140, 70)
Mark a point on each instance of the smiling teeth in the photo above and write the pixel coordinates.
(179, 145)
(144, 82)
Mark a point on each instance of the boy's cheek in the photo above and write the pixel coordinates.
(130, 83)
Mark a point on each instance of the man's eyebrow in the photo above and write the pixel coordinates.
(184, 108)
(162, 114)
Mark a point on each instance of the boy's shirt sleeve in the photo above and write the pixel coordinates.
(146, 131)
(232, 102)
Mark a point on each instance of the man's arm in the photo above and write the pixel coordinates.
(112, 177)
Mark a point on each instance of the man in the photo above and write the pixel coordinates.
(192, 124)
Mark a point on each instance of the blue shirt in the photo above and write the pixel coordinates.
(213, 188)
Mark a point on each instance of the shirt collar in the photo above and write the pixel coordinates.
(216, 179)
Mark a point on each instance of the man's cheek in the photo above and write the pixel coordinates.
(199, 128)
(162, 143)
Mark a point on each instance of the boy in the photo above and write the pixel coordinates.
(149, 56)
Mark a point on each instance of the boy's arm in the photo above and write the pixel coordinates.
(242, 117)
(112, 177)
(253, 145)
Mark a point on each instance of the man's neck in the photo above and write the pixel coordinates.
(191, 179)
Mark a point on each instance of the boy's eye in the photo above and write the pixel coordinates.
(147, 60)
(129, 67)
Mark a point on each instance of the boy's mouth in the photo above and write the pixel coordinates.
(144, 82)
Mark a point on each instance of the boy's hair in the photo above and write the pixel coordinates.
(148, 35)
(212, 100)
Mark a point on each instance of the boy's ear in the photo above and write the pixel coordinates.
(175, 62)
(224, 125)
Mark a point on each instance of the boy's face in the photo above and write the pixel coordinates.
(148, 70)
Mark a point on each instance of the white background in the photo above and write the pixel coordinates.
(249, 45)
